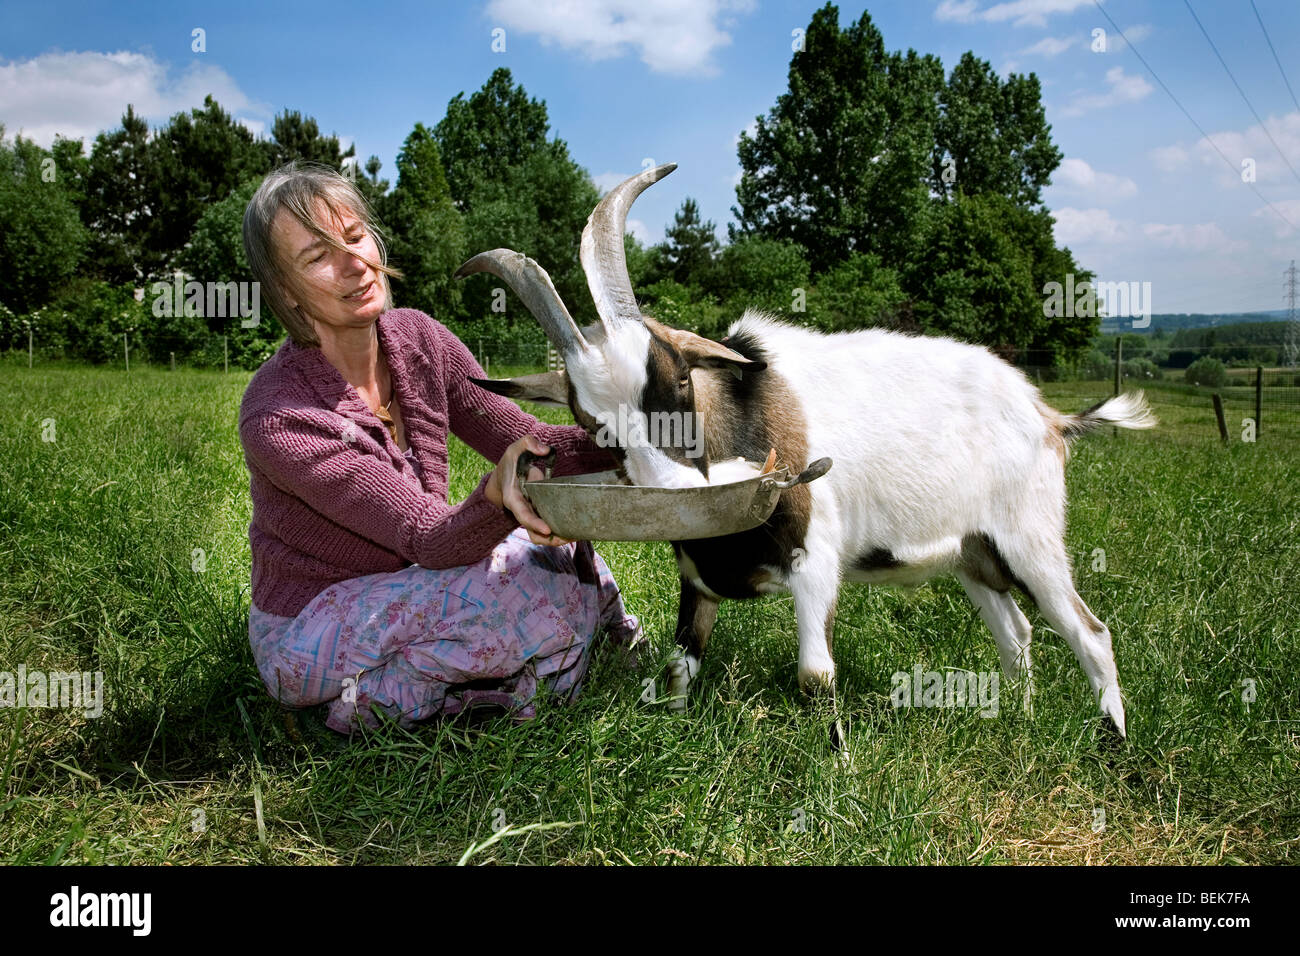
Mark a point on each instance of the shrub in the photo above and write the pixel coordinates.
(1207, 371)
(1097, 366)
(1141, 368)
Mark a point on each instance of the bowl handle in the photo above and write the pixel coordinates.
(811, 473)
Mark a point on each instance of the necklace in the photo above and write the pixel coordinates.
(382, 414)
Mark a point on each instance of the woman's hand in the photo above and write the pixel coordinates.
(502, 489)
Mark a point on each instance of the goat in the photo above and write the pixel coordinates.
(947, 459)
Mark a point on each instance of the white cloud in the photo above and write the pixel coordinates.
(81, 94)
(1239, 145)
(1135, 34)
(1051, 46)
(607, 181)
(670, 36)
(640, 232)
(1075, 226)
(1024, 13)
(1078, 176)
(1124, 88)
(1290, 208)
(960, 11)
(1167, 159)
(1197, 237)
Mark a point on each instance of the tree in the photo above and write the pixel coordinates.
(215, 253)
(974, 281)
(72, 166)
(992, 135)
(840, 164)
(762, 274)
(930, 186)
(373, 189)
(294, 136)
(428, 235)
(516, 189)
(116, 208)
(42, 239)
(858, 293)
(198, 159)
(485, 136)
(690, 246)
(540, 208)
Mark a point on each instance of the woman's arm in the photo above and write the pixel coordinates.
(302, 452)
(488, 422)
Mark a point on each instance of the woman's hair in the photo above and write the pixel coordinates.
(299, 188)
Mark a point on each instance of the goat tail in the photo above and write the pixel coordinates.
(1129, 410)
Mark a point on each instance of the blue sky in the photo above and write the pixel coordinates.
(1141, 196)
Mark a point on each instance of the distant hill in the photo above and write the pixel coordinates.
(1173, 321)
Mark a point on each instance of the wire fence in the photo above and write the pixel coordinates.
(1256, 399)
(1267, 395)
(512, 358)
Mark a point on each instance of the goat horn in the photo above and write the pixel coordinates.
(603, 258)
(534, 287)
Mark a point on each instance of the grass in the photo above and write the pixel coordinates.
(125, 550)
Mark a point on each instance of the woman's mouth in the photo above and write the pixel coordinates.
(362, 293)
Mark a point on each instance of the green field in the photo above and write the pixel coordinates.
(191, 763)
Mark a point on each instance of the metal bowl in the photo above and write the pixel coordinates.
(596, 507)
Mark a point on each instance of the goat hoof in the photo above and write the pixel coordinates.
(818, 683)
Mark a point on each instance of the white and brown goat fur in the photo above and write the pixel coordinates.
(945, 459)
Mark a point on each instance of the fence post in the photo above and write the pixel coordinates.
(173, 355)
(1259, 399)
(225, 349)
(29, 346)
(1218, 413)
(1119, 361)
(126, 351)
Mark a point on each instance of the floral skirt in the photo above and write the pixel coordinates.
(419, 643)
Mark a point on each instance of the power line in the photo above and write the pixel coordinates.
(1269, 41)
(1244, 98)
(1190, 119)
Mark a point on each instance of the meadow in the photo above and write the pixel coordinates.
(124, 515)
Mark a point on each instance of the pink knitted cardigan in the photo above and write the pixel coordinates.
(335, 498)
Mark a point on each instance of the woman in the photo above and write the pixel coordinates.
(370, 591)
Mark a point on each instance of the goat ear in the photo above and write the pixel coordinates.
(545, 388)
(700, 352)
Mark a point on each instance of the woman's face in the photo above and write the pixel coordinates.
(332, 287)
